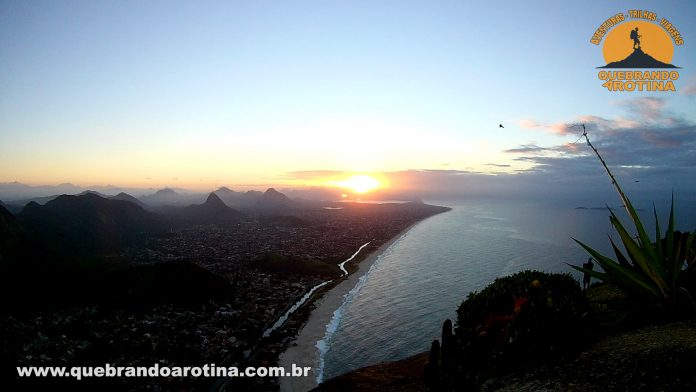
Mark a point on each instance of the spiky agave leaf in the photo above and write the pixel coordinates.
(643, 258)
(653, 269)
(621, 276)
(619, 255)
(690, 251)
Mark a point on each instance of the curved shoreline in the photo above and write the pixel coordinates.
(303, 350)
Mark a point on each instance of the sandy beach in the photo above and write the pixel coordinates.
(303, 351)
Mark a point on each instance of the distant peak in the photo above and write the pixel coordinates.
(126, 197)
(213, 199)
(273, 196)
(31, 206)
(90, 192)
(274, 192)
(166, 191)
(225, 189)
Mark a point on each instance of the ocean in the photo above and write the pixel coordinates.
(398, 308)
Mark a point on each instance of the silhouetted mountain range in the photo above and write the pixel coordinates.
(166, 196)
(16, 205)
(273, 201)
(233, 198)
(272, 196)
(169, 202)
(638, 59)
(269, 202)
(126, 197)
(7, 232)
(88, 224)
(213, 210)
(5, 215)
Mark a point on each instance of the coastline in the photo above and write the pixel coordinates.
(302, 350)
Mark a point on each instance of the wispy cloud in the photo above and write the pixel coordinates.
(312, 174)
(558, 128)
(689, 88)
(648, 140)
(526, 149)
(496, 165)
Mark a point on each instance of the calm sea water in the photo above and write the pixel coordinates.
(399, 307)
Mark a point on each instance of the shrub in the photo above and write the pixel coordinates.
(522, 318)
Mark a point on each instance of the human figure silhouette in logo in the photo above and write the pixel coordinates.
(636, 38)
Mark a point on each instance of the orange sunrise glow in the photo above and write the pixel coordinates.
(360, 183)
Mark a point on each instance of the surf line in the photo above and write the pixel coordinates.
(306, 297)
(323, 344)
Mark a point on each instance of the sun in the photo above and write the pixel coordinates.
(360, 183)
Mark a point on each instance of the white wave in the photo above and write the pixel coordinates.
(323, 345)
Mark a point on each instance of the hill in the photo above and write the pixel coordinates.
(273, 202)
(213, 210)
(126, 197)
(170, 197)
(87, 224)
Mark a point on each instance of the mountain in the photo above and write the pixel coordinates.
(39, 200)
(231, 197)
(213, 210)
(273, 196)
(638, 59)
(5, 215)
(91, 192)
(126, 197)
(17, 190)
(12, 239)
(273, 201)
(226, 192)
(162, 197)
(255, 201)
(88, 224)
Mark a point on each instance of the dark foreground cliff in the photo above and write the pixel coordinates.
(624, 352)
(654, 358)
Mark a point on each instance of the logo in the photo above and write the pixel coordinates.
(638, 48)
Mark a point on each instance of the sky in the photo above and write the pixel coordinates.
(246, 94)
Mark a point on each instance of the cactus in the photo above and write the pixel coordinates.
(447, 341)
(432, 370)
(447, 356)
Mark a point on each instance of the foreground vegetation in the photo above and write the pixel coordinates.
(530, 319)
(523, 319)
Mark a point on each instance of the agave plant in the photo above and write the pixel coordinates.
(647, 270)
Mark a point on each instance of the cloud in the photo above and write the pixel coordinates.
(689, 88)
(559, 129)
(312, 174)
(526, 149)
(648, 141)
(496, 165)
(645, 142)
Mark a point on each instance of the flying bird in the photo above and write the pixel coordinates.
(501, 125)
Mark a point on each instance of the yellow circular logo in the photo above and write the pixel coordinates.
(638, 39)
(638, 49)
